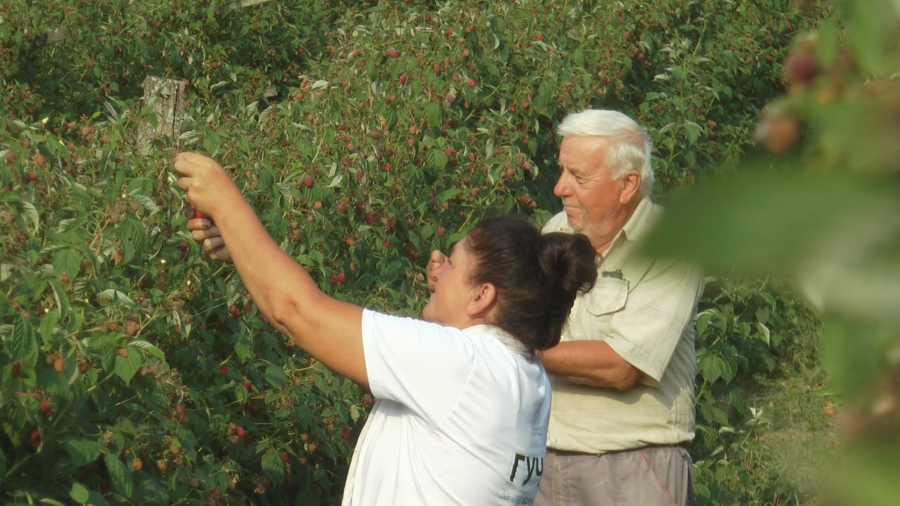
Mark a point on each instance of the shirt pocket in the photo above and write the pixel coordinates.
(608, 296)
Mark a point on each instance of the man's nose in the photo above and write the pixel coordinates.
(562, 188)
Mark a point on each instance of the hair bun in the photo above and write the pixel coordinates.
(568, 262)
(570, 257)
(537, 277)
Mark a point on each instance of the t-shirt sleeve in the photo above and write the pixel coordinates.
(420, 365)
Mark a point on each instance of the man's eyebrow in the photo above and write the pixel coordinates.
(575, 170)
(571, 167)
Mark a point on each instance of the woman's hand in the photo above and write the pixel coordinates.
(434, 261)
(328, 329)
(207, 235)
(208, 188)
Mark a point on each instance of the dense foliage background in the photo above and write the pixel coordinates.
(132, 370)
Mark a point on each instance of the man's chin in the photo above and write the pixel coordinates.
(574, 222)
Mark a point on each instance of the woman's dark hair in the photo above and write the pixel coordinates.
(536, 276)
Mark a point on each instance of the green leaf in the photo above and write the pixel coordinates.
(2, 466)
(436, 160)
(718, 415)
(446, 195)
(712, 367)
(244, 346)
(48, 322)
(151, 492)
(545, 92)
(273, 466)
(115, 296)
(764, 332)
(23, 347)
(67, 260)
(211, 141)
(126, 367)
(96, 499)
(308, 497)
(119, 474)
(855, 353)
(149, 348)
(762, 314)
(703, 322)
(62, 300)
(827, 41)
(29, 212)
(82, 451)
(869, 31)
(434, 111)
(79, 493)
(275, 376)
(502, 53)
(578, 57)
(133, 229)
(693, 132)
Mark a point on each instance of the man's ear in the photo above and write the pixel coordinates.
(482, 301)
(631, 186)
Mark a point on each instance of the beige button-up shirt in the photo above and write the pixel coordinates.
(646, 311)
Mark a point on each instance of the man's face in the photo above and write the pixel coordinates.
(589, 194)
(452, 290)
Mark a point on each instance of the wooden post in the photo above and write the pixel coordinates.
(240, 4)
(55, 35)
(166, 97)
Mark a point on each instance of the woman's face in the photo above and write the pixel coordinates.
(452, 290)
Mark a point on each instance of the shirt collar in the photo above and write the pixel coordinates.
(640, 222)
(503, 336)
(637, 226)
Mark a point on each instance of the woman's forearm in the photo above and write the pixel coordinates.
(327, 329)
(269, 274)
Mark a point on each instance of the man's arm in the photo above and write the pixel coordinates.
(591, 363)
(646, 331)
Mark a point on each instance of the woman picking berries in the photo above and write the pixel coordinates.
(462, 402)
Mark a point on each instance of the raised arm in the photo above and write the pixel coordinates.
(208, 236)
(327, 329)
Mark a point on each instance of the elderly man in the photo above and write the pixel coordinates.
(623, 375)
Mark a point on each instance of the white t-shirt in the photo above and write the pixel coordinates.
(460, 417)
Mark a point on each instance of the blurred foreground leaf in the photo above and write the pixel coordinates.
(856, 353)
(868, 477)
(837, 235)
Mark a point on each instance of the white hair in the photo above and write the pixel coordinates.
(630, 147)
